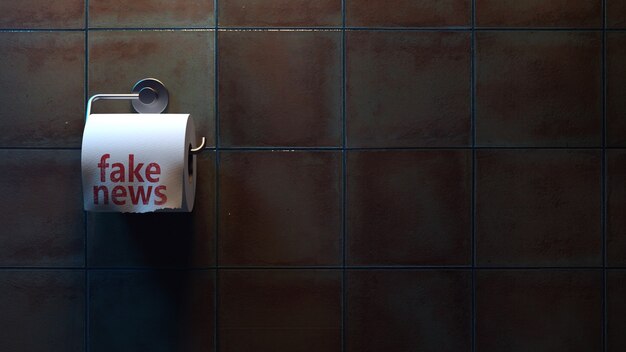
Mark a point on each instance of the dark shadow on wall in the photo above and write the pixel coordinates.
(158, 240)
(165, 310)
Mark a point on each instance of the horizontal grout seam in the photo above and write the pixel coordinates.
(332, 267)
(316, 29)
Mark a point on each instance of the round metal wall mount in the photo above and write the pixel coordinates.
(153, 96)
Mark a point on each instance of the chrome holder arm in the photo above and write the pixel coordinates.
(149, 96)
(130, 96)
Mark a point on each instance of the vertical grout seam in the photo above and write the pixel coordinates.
(85, 228)
(473, 170)
(86, 336)
(343, 175)
(217, 176)
(604, 176)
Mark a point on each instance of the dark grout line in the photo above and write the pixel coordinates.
(537, 29)
(344, 177)
(473, 171)
(87, 292)
(280, 29)
(321, 29)
(411, 29)
(604, 176)
(425, 267)
(87, 312)
(320, 267)
(33, 30)
(154, 29)
(216, 300)
(604, 252)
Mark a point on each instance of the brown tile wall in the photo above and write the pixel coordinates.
(410, 175)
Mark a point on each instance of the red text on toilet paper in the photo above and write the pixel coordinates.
(135, 194)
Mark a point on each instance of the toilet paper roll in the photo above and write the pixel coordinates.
(138, 163)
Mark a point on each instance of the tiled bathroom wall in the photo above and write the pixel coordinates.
(409, 175)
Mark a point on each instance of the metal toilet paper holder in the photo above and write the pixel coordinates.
(149, 96)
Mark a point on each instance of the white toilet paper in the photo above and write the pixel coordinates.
(138, 163)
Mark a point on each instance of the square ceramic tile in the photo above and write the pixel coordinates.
(42, 311)
(59, 14)
(280, 13)
(539, 13)
(151, 13)
(616, 13)
(280, 88)
(540, 311)
(408, 89)
(408, 13)
(616, 89)
(158, 311)
(280, 208)
(182, 240)
(409, 207)
(539, 88)
(408, 311)
(616, 207)
(182, 60)
(41, 216)
(616, 309)
(538, 207)
(43, 89)
(279, 310)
